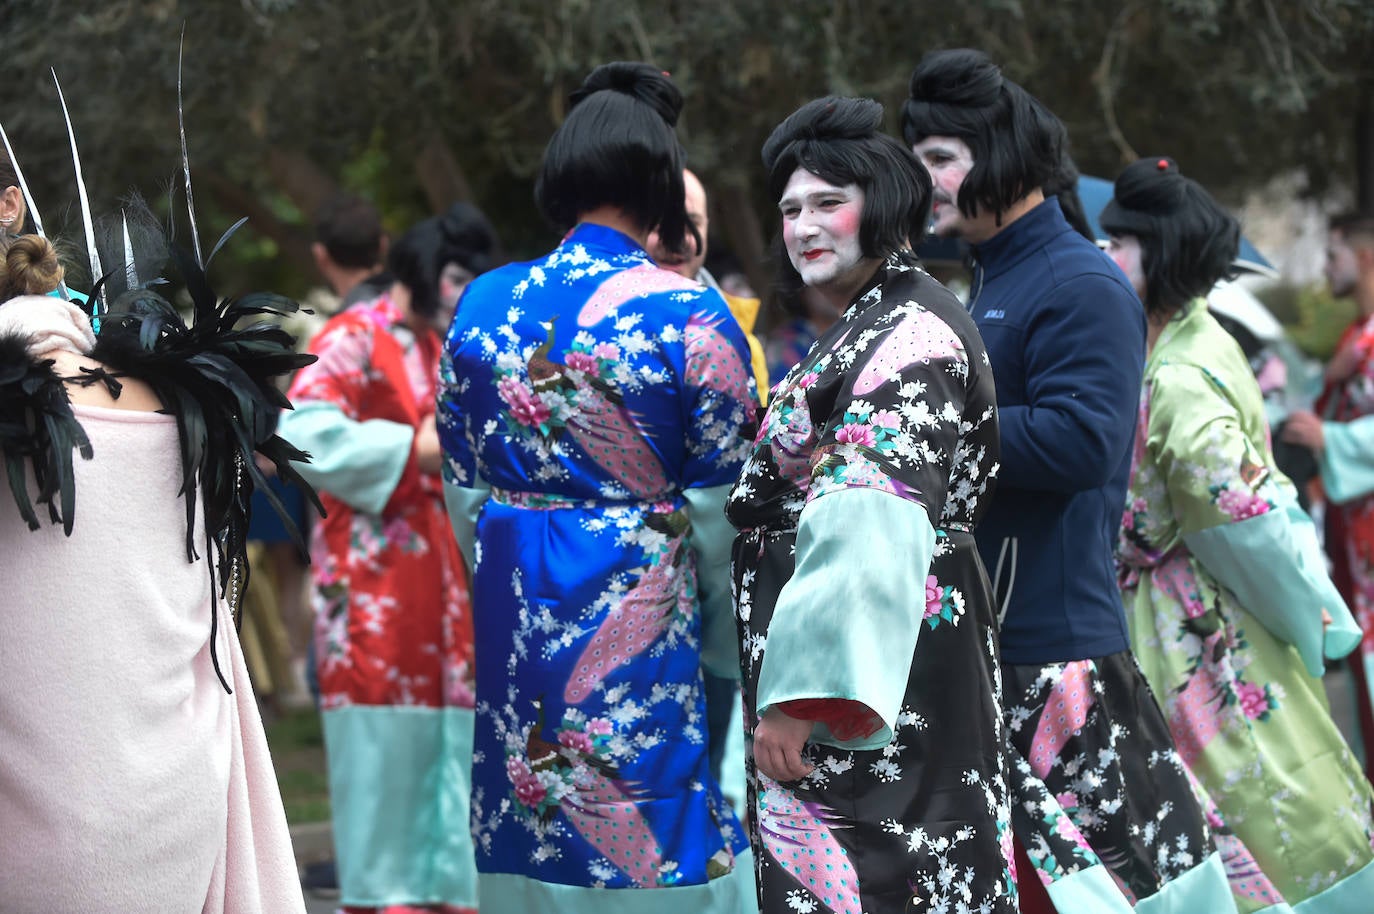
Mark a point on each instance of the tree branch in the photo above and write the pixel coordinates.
(1104, 80)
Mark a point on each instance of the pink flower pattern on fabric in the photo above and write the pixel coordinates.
(933, 597)
(525, 407)
(1241, 504)
(855, 433)
(1254, 700)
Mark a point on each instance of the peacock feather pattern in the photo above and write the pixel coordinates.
(591, 412)
(798, 835)
(577, 396)
(642, 615)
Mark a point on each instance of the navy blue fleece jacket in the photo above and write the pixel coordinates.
(1066, 336)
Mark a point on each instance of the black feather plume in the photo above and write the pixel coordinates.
(37, 427)
(216, 376)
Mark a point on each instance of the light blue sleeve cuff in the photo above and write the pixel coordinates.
(359, 463)
(1090, 890)
(464, 505)
(846, 623)
(711, 539)
(1269, 563)
(1347, 462)
(1344, 634)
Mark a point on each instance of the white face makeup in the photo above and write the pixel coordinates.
(453, 279)
(1124, 250)
(820, 229)
(949, 160)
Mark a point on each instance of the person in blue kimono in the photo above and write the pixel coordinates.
(593, 411)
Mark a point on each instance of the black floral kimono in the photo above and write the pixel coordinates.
(857, 578)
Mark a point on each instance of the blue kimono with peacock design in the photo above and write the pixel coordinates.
(593, 411)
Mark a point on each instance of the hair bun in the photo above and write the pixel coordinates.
(31, 267)
(641, 81)
(828, 118)
(468, 233)
(1151, 185)
(963, 77)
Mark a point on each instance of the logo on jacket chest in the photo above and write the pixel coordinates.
(994, 314)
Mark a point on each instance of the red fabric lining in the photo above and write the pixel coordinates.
(846, 719)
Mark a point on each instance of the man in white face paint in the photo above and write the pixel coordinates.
(1065, 334)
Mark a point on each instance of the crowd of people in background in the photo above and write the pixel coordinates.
(629, 592)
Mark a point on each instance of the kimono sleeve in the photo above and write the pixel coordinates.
(720, 397)
(465, 491)
(719, 392)
(359, 461)
(846, 624)
(1237, 516)
(1347, 461)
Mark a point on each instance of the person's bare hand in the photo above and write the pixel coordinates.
(1305, 429)
(778, 742)
(428, 453)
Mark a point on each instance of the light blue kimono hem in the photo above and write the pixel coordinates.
(1203, 888)
(1347, 460)
(733, 893)
(1090, 890)
(847, 622)
(399, 782)
(1352, 895)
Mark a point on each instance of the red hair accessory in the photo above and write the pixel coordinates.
(1163, 164)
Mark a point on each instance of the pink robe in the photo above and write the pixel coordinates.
(129, 780)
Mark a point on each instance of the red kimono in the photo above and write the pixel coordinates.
(393, 624)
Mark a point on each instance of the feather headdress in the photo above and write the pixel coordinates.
(215, 374)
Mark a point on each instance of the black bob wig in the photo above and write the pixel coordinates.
(1018, 145)
(841, 141)
(1187, 241)
(618, 147)
(462, 236)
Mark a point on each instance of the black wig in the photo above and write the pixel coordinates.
(1017, 143)
(462, 236)
(618, 147)
(1187, 241)
(841, 141)
(1064, 185)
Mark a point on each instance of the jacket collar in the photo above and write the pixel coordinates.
(1022, 238)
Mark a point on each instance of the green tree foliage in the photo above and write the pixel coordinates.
(417, 103)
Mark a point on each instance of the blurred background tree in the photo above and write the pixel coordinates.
(416, 103)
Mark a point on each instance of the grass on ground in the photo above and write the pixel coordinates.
(297, 746)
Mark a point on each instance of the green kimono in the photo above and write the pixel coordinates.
(1224, 587)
